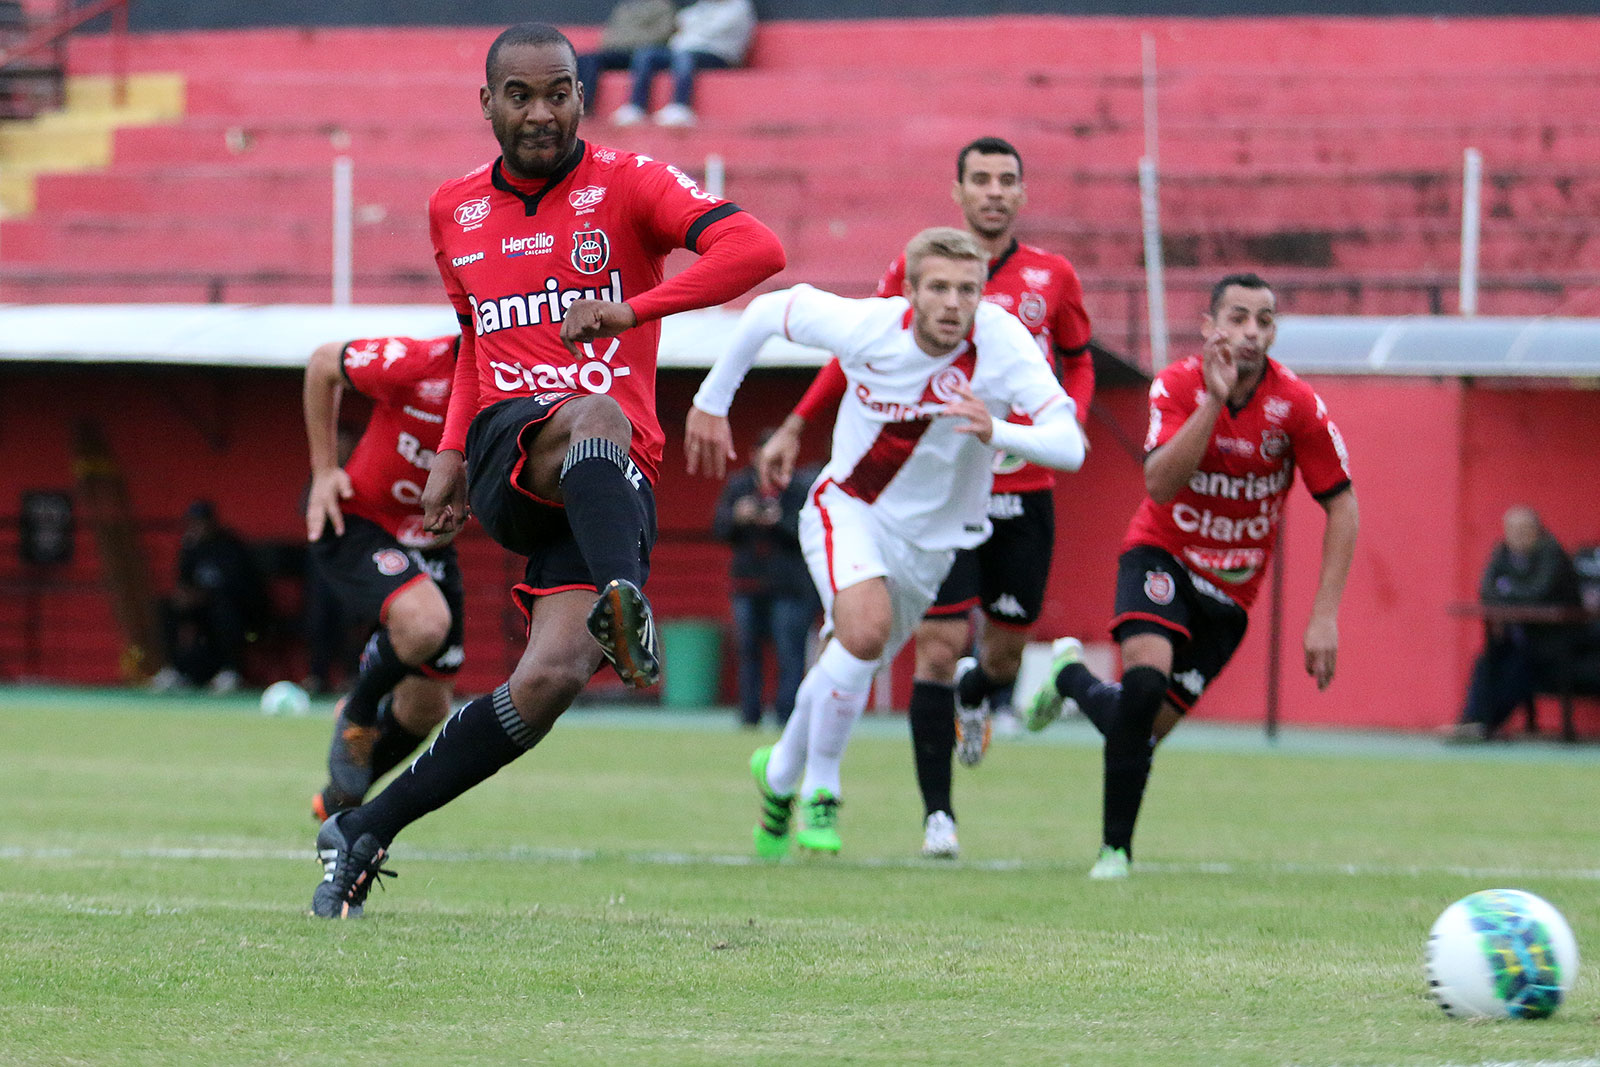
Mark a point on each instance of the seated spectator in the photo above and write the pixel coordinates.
(218, 600)
(1528, 568)
(712, 34)
(773, 597)
(634, 24)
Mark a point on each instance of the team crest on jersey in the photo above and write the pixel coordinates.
(1035, 277)
(471, 213)
(390, 561)
(586, 198)
(591, 251)
(1276, 408)
(946, 383)
(1159, 588)
(1274, 443)
(1030, 309)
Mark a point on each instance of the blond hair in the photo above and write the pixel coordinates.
(946, 242)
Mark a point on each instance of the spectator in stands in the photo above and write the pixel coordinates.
(773, 598)
(1528, 568)
(713, 34)
(633, 25)
(219, 599)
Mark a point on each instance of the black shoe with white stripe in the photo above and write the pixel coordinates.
(349, 870)
(623, 625)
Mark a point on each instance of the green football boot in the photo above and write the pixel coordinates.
(1045, 706)
(1113, 863)
(819, 823)
(772, 832)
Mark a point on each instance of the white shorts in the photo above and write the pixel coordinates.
(845, 544)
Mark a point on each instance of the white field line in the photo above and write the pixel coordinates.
(530, 854)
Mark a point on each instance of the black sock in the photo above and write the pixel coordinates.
(394, 742)
(381, 671)
(599, 485)
(475, 743)
(1127, 755)
(975, 686)
(933, 742)
(1096, 699)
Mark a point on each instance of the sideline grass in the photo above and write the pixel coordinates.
(593, 904)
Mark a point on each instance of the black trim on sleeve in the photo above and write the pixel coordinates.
(698, 227)
(1328, 494)
(465, 320)
(1078, 351)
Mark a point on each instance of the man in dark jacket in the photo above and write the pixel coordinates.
(1528, 568)
(773, 598)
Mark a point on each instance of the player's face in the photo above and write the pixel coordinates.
(990, 193)
(533, 107)
(944, 301)
(1248, 319)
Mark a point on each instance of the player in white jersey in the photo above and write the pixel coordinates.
(932, 376)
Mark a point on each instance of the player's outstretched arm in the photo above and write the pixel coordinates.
(1338, 551)
(323, 389)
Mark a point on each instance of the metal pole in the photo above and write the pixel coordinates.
(1275, 628)
(716, 175)
(1471, 226)
(343, 235)
(1150, 212)
(1154, 278)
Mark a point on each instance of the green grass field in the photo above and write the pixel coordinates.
(594, 903)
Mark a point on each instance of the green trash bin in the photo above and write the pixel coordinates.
(691, 653)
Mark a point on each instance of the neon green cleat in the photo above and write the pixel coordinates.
(772, 832)
(819, 823)
(1045, 706)
(1113, 863)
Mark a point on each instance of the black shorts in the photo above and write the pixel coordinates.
(367, 568)
(1008, 573)
(537, 529)
(1158, 595)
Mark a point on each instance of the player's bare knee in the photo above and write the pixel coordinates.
(864, 637)
(541, 692)
(597, 415)
(936, 662)
(420, 634)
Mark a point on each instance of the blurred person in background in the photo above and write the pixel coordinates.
(633, 25)
(952, 693)
(1527, 568)
(217, 603)
(364, 523)
(711, 35)
(1228, 428)
(773, 598)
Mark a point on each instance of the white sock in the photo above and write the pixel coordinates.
(843, 697)
(835, 669)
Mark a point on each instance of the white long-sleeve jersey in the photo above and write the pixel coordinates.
(926, 481)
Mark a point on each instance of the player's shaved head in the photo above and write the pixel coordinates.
(524, 33)
(987, 146)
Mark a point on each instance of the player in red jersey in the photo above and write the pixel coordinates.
(1006, 575)
(552, 256)
(1227, 430)
(364, 522)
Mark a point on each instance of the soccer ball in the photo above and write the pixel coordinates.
(284, 698)
(1501, 954)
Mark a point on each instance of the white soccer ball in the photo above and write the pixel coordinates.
(284, 698)
(1501, 954)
